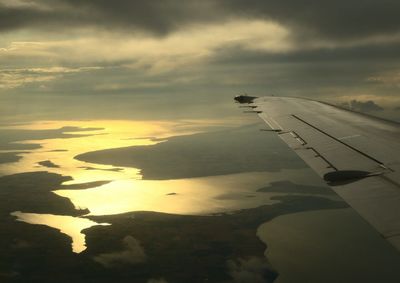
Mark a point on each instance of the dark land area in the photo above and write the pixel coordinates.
(205, 154)
(137, 246)
(288, 187)
(8, 157)
(48, 164)
(9, 137)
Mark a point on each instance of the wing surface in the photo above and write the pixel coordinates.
(357, 155)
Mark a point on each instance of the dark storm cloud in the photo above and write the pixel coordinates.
(329, 19)
(335, 19)
(157, 17)
(31, 16)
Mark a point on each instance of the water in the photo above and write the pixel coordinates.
(71, 226)
(147, 197)
(328, 246)
(122, 189)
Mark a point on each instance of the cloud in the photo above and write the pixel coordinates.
(363, 106)
(252, 270)
(184, 49)
(10, 80)
(133, 254)
(213, 48)
(335, 19)
(13, 78)
(155, 17)
(390, 78)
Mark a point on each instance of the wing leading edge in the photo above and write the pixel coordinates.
(357, 155)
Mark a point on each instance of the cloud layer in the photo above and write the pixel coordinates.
(335, 19)
(341, 50)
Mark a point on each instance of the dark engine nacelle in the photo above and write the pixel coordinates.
(244, 98)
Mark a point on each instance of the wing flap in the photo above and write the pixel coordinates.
(302, 136)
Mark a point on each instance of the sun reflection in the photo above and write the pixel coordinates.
(71, 226)
(184, 196)
(103, 134)
(126, 191)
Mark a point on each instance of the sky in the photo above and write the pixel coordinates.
(72, 54)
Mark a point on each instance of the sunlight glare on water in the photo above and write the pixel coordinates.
(112, 134)
(71, 226)
(183, 196)
(126, 191)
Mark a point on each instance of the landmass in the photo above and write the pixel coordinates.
(116, 169)
(9, 157)
(140, 245)
(48, 164)
(222, 152)
(293, 188)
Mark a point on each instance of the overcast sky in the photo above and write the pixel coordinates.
(214, 49)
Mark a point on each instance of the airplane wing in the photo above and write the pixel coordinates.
(356, 154)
